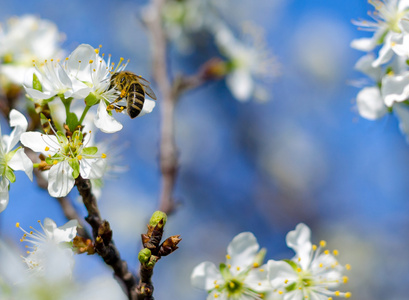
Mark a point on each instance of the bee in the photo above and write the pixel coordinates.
(132, 87)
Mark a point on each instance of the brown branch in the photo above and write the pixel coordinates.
(104, 245)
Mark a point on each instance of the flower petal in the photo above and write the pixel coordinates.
(280, 271)
(300, 241)
(38, 142)
(257, 279)
(4, 193)
(92, 168)
(204, 275)
(242, 250)
(61, 234)
(19, 122)
(147, 107)
(370, 103)
(60, 180)
(104, 121)
(395, 88)
(240, 84)
(21, 162)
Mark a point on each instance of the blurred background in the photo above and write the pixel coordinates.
(304, 155)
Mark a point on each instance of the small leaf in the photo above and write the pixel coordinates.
(90, 150)
(72, 121)
(10, 175)
(36, 83)
(75, 165)
(291, 263)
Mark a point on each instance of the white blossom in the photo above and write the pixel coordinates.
(240, 278)
(313, 273)
(12, 159)
(25, 39)
(69, 157)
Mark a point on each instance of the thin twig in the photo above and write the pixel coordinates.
(104, 244)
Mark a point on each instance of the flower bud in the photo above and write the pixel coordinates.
(144, 255)
(156, 217)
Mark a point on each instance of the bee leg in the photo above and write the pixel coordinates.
(111, 105)
(120, 108)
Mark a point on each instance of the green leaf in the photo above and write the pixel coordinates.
(91, 99)
(90, 150)
(72, 121)
(10, 175)
(75, 165)
(36, 83)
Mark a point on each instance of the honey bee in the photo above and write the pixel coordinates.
(132, 87)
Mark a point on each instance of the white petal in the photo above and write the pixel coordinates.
(280, 271)
(92, 168)
(257, 279)
(104, 121)
(21, 162)
(386, 52)
(204, 275)
(395, 88)
(19, 122)
(38, 142)
(402, 111)
(294, 295)
(64, 233)
(147, 107)
(242, 250)
(78, 64)
(240, 84)
(37, 95)
(300, 241)
(364, 64)
(4, 193)
(370, 103)
(60, 180)
(364, 44)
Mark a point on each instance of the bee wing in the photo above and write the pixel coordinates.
(149, 92)
(143, 80)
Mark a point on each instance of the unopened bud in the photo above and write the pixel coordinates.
(169, 245)
(156, 217)
(144, 255)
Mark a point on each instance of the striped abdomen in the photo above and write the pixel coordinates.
(135, 99)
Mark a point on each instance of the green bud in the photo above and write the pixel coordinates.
(91, 99)
(144, 255)
(152, 261)
(156, 217)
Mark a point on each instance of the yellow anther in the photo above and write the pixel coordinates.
(28, 252)
(321, 265)
(231, 284)
(79, 157)
(326, 252)
(216, 295)
(348, 295)
(348, 266)
(31, 232)
(55, 162)
(256, 265)
(337, 293)
(238, 268)
(286, 281)
(216, 286)
(280, 292)
(91, 61)
(298, 270)
(299, 259)
(17, 224)
(79, 61)
(345, 279)
(66, 58)
(228, 256)
(229, 266)
(52, 59)
(329, 298)
(96, 51)
(47, 148)
(314, 247)
(335, 252)
(393, 44)
(259, 283)
(323, 243)
(215, 282)
(261, 270)
(103, 155)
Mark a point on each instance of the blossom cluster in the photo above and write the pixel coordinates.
(49, 262)
(313, 273)
(386, 62)
(246, 58)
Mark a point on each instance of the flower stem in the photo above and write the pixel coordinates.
(84, 113)
(36, 165)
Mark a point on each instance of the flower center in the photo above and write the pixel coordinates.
(234, 287)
